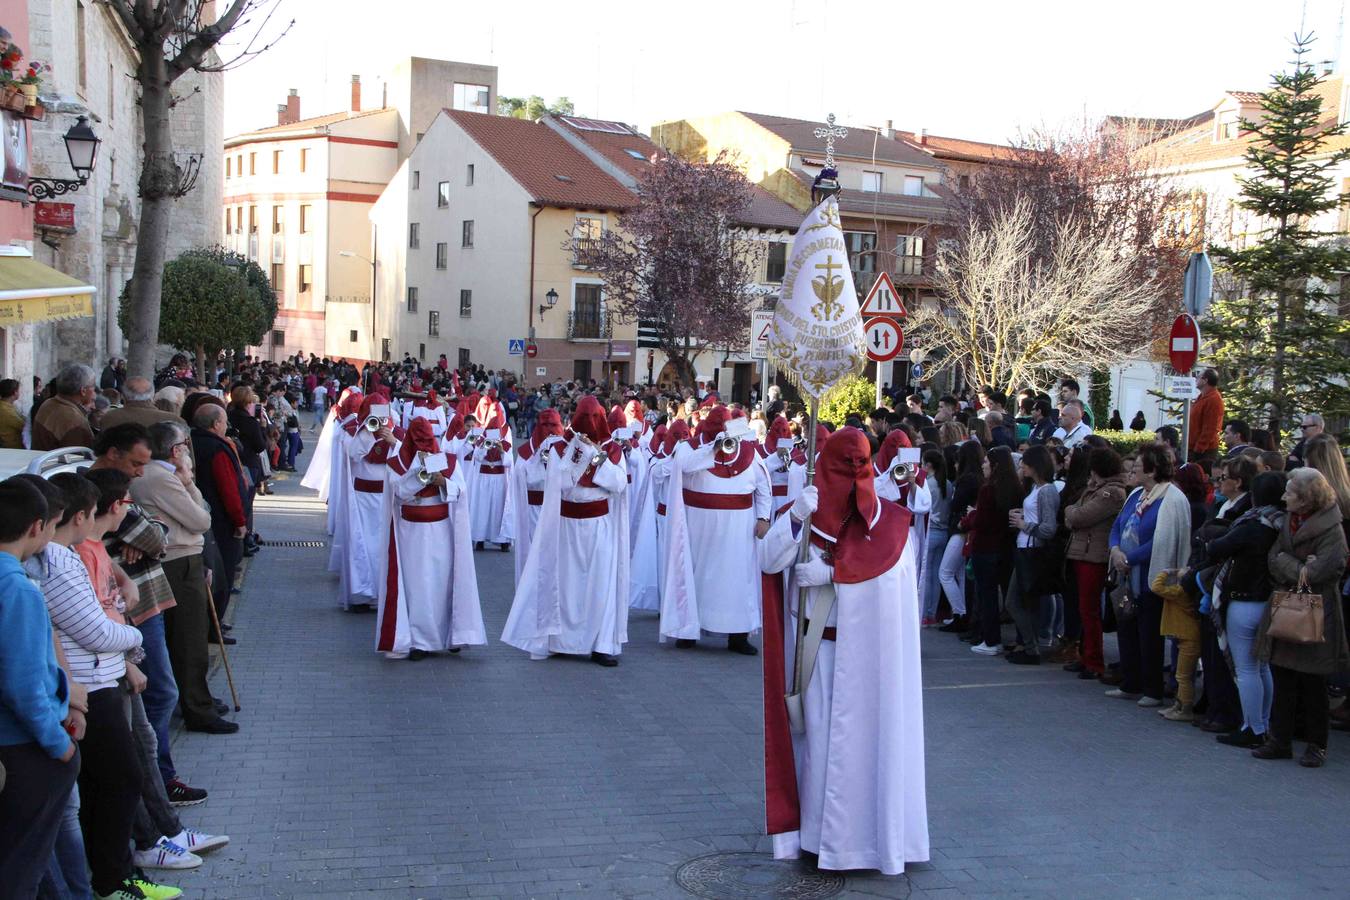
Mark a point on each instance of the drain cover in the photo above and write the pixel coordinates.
(292, 543)
(732, 876)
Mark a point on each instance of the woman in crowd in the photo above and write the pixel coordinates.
(1089, 519)
(1240, 594)
(952, 569)
(991, 541)
(1152, 533)
(979, 431)
(248, 430)
(1035, 522)
(1310, 549)
(940, 490)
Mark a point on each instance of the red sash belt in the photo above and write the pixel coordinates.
(492, 470)
(780, 490)
(436, 512)
(593, 510)
(535, 498)
(782, 509)
(702, 500)
(660, 509)
(367, 486)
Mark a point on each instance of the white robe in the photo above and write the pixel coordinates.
(339, 494)
(527, 475)
(645, 572)
(367, 522)
(710, 576)
(573, 594)
(435, 605)
(787, 483)
(920, 502)
(860, 763)
(318, 475)
(490, 506)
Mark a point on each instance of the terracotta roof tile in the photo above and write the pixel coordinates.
(947, 147)
(861, 143)
(550, 169)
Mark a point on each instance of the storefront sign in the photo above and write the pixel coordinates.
(59, 216)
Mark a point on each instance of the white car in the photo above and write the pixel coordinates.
(44, 462)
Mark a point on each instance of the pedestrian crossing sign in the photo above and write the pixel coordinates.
(515, 346)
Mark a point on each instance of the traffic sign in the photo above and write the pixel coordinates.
(885, 340)
(761, 321)
(1180, 387)
(531, 350)
(1199, 284)
(882, 299)
(515, 346)
(916, 371)
(1183, 346)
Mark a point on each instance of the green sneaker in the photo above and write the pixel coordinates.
(152, 891)
(127, 890)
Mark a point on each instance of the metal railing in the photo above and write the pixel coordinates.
(587, 325)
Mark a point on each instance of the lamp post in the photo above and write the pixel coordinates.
(374, 347)
(82, 148)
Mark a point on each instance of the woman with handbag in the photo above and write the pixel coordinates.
(1302, 633)
(1152, 533)
(1089, 521)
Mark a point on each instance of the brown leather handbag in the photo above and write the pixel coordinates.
(1297, 616)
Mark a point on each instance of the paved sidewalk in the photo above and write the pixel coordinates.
(488, 775)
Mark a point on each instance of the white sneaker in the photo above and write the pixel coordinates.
(985, 650)
(1149, 702)
(198, 842)
(166, 855)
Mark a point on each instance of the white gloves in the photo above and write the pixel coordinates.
(805, 504)
(814, 572)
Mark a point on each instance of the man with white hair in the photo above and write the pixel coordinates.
(63, 420)
(170, 399)
(1072, 429)
(139, 406)
(1309, 427)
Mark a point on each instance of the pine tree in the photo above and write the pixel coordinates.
(1281, 341)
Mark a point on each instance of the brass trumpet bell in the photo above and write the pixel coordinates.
(729, 446)
(900, 474)
(372, 424)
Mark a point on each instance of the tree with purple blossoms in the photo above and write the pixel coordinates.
(677, 262)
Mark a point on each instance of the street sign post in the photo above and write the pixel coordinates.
(1199, 285)
(1180, 387)
(882, 299)
(1183, 349)
(761, 321)
(531, 349)
(885, 340)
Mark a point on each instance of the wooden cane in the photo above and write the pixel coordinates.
(220, 638)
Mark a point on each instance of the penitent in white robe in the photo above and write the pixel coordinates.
(919, 500)
(527, 499)
(339, 494)
(860, 763)
(573, 593)
(433, 604)
(710, 576)
(317, 476)
(645, 571)
(490, 506)
(367, 520)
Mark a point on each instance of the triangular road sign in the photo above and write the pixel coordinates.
(883, 300)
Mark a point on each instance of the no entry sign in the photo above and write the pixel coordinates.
(1183, 345)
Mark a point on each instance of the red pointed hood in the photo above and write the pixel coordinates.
(678, 431)
(658, 441)
(633, 410)
(711, 400)
(489, 411)
(589, 419)
(349, 402)
(547, 424)
(713, 423)
(844, 482)
(368, 402)
(779, 436)
(420, 437)
(896, 440)
(616, 419)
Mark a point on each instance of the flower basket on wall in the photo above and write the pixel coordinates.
(12, 98)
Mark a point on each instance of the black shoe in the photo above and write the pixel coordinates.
(415, 655)
(1023, 658)
(1273, 749)
(221, 706)
(1088, 675)
(604, 659)
(739, 643)
(182, 795)
(685, 643)
(478, 545)
(225, 627)
(1314, 757)
(226, 640)
(215, 726)
(1243, 738)
(1213, 727)
(250, 552)
(504, 547)
(955, 626)
(456, 649)
(1075, 666)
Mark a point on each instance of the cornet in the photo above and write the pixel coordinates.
(784, 456)
(423, 475)
(729, 445)
(901, 473)
(372, 424)
(491, 445)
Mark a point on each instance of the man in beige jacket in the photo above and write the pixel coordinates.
(168, 492)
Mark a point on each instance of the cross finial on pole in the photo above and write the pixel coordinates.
(828, 134)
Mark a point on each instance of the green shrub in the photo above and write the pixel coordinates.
(1125, 442)
(851, 397)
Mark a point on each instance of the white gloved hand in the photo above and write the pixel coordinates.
(805, 504)
(451, 492)
(814, 572)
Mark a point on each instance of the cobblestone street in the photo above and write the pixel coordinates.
(488, 775)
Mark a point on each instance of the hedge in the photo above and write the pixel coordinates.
(1126, 442)
(851, 397)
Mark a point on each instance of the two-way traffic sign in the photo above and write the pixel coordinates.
(884, 339)
(883, 300)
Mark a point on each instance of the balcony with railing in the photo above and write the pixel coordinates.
(584, 252)
(588, 325)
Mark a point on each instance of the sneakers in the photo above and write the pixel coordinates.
(182, 795)
(928, 622)
(197, 842)
(141, 889)
(166, 855)
(1149, 702)
(1118, 694)
(1178, 712)
(985, 650)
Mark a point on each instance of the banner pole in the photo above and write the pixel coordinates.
(804, 553)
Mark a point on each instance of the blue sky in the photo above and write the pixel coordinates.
(981, 70)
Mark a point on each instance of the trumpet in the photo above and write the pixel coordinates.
(729, 445)
(784, 456)
(901, 473)
(492, 445)
(372, 424)
(423, 475)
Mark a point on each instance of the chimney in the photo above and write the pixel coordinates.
(889, 130)
(923, 137)
(281, 113)
(292, 114)
(356, 93)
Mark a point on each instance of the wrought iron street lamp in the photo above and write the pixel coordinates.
(82, 148)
